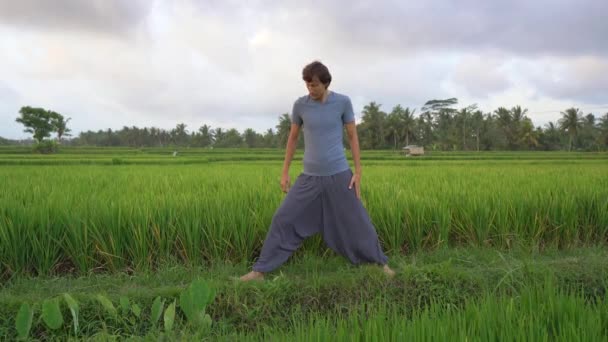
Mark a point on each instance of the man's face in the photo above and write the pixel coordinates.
(316, 89)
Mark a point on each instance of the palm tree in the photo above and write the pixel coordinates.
(373, 120)
(269, 138)
(518, 115)
(509, 122)
(400, 124)
(155, 134)
(552, 136)
(250, 137)
(426, 132)
(571, 122)
(603, 127)
(461, 117)
(219, 137)
(206, 135)
(409, 123)
(528, 136)
(283, 129)
(393, 124)
(61, 127)
(477, 125)
(180, 134)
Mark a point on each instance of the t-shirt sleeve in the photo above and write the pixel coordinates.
(348, 115)
(295, 114)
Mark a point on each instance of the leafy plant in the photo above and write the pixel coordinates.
(194, 300)
(169, 317)
(23, 321)
(157, 309)
(51, 313)
(107, 305)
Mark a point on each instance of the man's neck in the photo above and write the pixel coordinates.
(325, 96)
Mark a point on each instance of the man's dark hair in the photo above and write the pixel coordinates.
(316, 68)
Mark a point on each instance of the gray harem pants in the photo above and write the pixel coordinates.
(321, 204)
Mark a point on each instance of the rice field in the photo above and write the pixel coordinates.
(109, 211)
(56, 218)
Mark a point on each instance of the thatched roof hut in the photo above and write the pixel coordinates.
(413, 150)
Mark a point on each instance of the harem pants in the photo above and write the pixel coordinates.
(325, 205)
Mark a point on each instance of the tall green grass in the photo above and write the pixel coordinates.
(79, 218)
(537, 314)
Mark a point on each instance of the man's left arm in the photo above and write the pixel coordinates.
(351, 130)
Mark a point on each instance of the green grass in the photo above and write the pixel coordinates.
(537, 314)
(487, 245)
(467, 289)
(70, 218)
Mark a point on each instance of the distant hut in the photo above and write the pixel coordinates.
(413, 150)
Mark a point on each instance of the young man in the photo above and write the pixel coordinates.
(325, 197)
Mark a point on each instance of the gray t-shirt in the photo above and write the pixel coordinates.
(322, 126)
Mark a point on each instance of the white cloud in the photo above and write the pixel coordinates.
(230, 64)
(581, 79)
(480, 76)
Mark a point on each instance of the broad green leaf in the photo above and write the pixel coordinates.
(107, 305)
(169, 317)
(136, 310)
(51, 313)
(202, 294)
(194, 300)
(157, 309)
(186, 304)
(124, 304)
(23, 321)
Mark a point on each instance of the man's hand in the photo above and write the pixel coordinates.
(285, 182)
(356, 181)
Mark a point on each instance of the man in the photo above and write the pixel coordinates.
(326, 196)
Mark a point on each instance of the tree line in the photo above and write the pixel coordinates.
(439, 125)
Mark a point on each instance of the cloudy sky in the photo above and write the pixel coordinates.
(237, 64)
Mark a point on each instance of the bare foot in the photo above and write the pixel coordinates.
(388, 271)
(253, 275)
